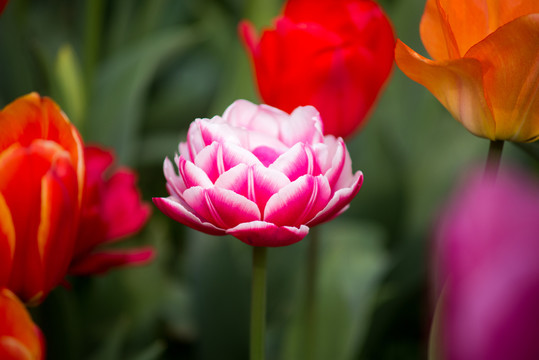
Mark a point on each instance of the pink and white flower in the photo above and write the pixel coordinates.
(259, 174)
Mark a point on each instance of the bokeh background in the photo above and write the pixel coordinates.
(132, 75)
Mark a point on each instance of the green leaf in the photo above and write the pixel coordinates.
(69, 85)
(119, 95)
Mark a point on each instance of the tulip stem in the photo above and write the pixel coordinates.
(258, 303)
(494, 158)
(310, 300)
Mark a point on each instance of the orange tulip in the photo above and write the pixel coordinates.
(41, 182)
(485, 67)
(19, 338)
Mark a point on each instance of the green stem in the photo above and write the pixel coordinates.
(258, 303)
(310, 300)
(494, 158)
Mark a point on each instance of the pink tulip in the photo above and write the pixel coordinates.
(111, 210)
(259, 174)
(489, 247)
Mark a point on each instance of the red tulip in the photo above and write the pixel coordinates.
(333, 54)
(20, 339)
(111, 209)
(41, 181)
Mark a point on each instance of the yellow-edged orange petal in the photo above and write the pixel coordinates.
(33, 117)
(457, 84)
(59, 221)
(7, 241)
(466, 23)
(436, 33)
(510, 61)
(19, 337)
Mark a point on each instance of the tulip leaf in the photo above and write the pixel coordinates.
(70, 87)
(352, 262)
(117, 102)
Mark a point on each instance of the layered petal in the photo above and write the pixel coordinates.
(261, 233)
(298, 202)
(338, 202)
(450, 28)
(266, 188)
(509, 59)
(179, 211)
(7, 242)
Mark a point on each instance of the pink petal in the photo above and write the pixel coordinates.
(184, 150)
(261, 233)
(101, 262)
(192, 175)
(256, 183)
(221, 207)
(298, 161)
(259, 118)
(299, 128)
(298, 202)
(215, 130)
(339, 157)
(338, 202)
(179, 211)
(175, 184)
(218, 158)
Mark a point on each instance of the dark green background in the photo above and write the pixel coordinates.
(132, 74)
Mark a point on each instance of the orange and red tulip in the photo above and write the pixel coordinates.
(41, 183)
(20, 339)
(485, 64)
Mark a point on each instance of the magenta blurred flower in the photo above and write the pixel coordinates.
(489, 252)
(259, 174)
(111, 209)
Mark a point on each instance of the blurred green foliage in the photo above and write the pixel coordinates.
(132, 75)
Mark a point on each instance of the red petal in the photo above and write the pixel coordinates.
(103, 261)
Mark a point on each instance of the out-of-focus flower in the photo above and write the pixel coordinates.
(20, 339)
(485, 64)
(41, 182)
(335, 55)
(3, 4)
(489, 248)
(111, 210)
(260, 175)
